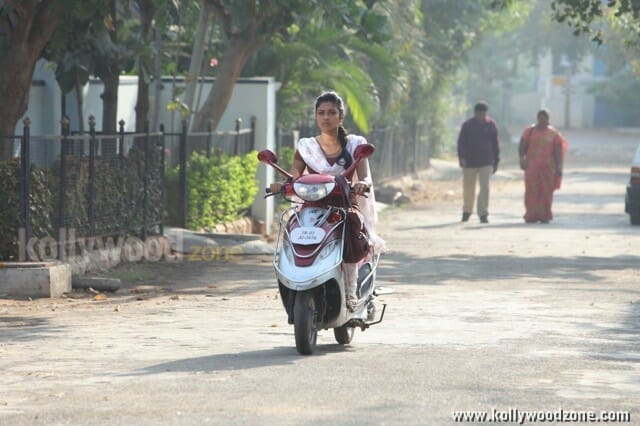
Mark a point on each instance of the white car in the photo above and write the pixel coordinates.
(632, 200)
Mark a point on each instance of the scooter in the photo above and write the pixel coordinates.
(308, 258)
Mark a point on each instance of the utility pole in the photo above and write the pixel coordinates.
(566, 62)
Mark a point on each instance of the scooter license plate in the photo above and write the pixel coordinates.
(307, 235)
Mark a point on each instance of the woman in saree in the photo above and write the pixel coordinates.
(542, 150)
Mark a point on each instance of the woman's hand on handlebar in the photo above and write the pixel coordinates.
(276, 187)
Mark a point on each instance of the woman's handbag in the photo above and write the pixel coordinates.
(356, 242)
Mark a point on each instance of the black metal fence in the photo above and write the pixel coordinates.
(92, 184)
(400, 150)
(95, 184)
(238, 142)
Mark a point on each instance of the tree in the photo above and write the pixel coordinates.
(146, 10)
(581, 15)
(449, 35)
(80, 48)
(326, 56)
(25, 28)
(248, 25)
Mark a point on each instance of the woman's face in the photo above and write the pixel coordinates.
(328, 117)
(543, 120)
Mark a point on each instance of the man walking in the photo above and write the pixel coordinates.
(479, 155)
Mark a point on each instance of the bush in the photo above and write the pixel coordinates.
(221, 189)
(41, 200)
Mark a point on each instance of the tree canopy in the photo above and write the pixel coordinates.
(392, 60)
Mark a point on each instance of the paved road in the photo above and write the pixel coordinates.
(500, 316)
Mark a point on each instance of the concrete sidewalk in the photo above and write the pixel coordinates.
(189, 242)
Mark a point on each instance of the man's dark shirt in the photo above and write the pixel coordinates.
(478, 143)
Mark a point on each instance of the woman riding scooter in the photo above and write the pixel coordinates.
(331, 152)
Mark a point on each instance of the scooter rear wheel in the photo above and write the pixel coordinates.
(343, 334)
(304, 322)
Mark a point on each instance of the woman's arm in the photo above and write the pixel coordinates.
(298, 166)
(557, 154)
(364, 177)
(296, 170)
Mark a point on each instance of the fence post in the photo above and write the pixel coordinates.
(253, 133)
(92, 174)
(26, 178)
(145, 181)
(64, 149)
(235, 145)
(183, 175)
(122, 192)
(209, 136)
(162, 180)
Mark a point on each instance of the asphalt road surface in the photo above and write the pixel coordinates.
(506, 319)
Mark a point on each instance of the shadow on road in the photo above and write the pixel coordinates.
(406, 269)
(25, 329)
(239, 360)
(241, 277)
(617, 223)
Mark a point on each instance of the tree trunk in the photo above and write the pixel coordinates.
(32, 29)
(16, 73)
(79, 105)
(237, 52)
(157, 77)
(147, 11)
(110, 110)
(195, 67)
(109, 97)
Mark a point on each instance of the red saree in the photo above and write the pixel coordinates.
(543, 153)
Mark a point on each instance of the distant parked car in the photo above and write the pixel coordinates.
(632, 200)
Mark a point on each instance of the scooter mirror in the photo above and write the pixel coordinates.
(363, 151)
(267, 156)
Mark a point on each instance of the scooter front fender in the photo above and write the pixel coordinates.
(295, 279)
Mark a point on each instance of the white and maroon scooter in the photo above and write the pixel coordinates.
(308, 258)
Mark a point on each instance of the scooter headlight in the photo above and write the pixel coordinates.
(313, 192)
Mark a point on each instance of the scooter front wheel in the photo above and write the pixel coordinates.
(304, 322)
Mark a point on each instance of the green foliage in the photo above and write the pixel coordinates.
(285, 157)
(581, 15)
(221, 188)
(336, 45)
(80, 43)
(9, 208)
(41, 203)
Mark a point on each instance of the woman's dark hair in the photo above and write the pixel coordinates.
(544, 112)
(345, 159)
